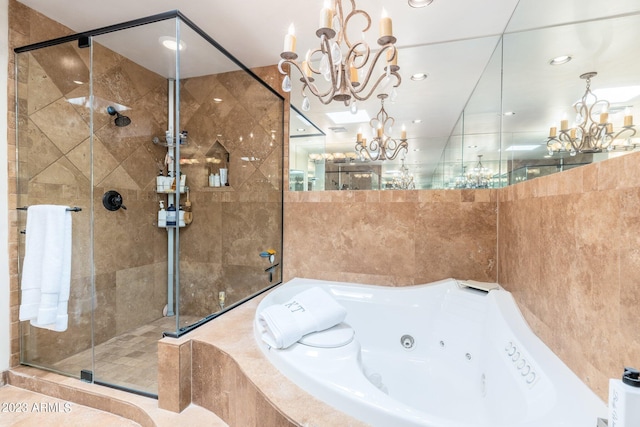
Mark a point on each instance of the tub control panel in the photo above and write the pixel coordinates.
(521, 362)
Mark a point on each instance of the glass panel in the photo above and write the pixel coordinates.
(233, 164)
(54, 167)
(130, 251)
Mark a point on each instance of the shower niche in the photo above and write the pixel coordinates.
(95, 117)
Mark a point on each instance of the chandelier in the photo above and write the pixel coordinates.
(479, 177)
(382, 146)
(589, 135)
(403, 180)
(341, 61)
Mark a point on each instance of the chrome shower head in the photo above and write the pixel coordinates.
(120, 120)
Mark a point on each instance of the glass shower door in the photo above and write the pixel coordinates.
(130, 250)
(54, 167)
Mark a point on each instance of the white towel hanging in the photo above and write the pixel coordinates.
(46, 270)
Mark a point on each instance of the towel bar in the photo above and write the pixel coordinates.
(73, 209)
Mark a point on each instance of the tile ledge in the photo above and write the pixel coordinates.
(142, 410)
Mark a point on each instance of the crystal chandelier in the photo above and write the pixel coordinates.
(403, 180)
(342, 60)
(382, 146)
(479, 177)
(589, 135)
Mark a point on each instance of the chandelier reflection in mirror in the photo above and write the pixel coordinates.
(382, 146)
(479, 177)
(344, 64)
(589, 135)
(403, 180)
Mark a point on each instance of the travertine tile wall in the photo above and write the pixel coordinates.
(231, 225)
(569, 250)
(392, 238)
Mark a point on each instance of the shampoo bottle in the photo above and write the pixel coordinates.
(624, 399)
(171, 216)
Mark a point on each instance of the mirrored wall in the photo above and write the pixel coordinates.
(520, 121)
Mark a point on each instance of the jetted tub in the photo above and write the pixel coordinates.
(435, 355)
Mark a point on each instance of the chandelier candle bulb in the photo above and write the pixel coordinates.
(386, 28)
(609, 128)
(553, 131)
(354, 75)
(390, 55)
(628, 118)
(326, 16)
(403, 133)
(290, 40)
(306, 69)
(564, 124)
(359, 136)
(572, 133)
(604, 116)
(379, 131)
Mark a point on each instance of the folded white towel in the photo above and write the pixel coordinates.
(46, 270)
(310, 311)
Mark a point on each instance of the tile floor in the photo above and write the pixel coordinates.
(128, 360)
(24, 408)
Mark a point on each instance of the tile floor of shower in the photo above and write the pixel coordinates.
(129, 360)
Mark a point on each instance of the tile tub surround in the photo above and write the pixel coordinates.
(392, 238)
(569, 251)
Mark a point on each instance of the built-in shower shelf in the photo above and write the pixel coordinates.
(182, 191)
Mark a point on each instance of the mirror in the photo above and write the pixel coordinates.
(516, 97)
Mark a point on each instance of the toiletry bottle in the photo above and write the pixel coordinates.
(624, 399)
(171, 216)
(160, 182)
(180, 217)
(162, 216)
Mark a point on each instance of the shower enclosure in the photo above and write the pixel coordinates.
(119, 122)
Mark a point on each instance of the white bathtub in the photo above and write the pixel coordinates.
(474, 360)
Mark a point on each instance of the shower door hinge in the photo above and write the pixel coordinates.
(84, 41)
(86, 375)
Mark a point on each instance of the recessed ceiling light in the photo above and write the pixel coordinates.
(559, 60)
(217, 99)
(300, 129)
(418, 76)
(171, 43)
(416, 149)
(509, 113)
(416, 121)
(472, 146)
(420, 3)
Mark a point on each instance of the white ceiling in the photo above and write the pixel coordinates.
(450, 40)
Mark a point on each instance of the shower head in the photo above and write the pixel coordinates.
(120, 120)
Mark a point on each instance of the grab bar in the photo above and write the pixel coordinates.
(73, 209)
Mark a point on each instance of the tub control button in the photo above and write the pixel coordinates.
(526, 370)
(531, 378)
(509, 346)
(512, 351)
(521, 363)
(516, 356)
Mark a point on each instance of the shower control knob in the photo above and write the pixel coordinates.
(112, 200)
